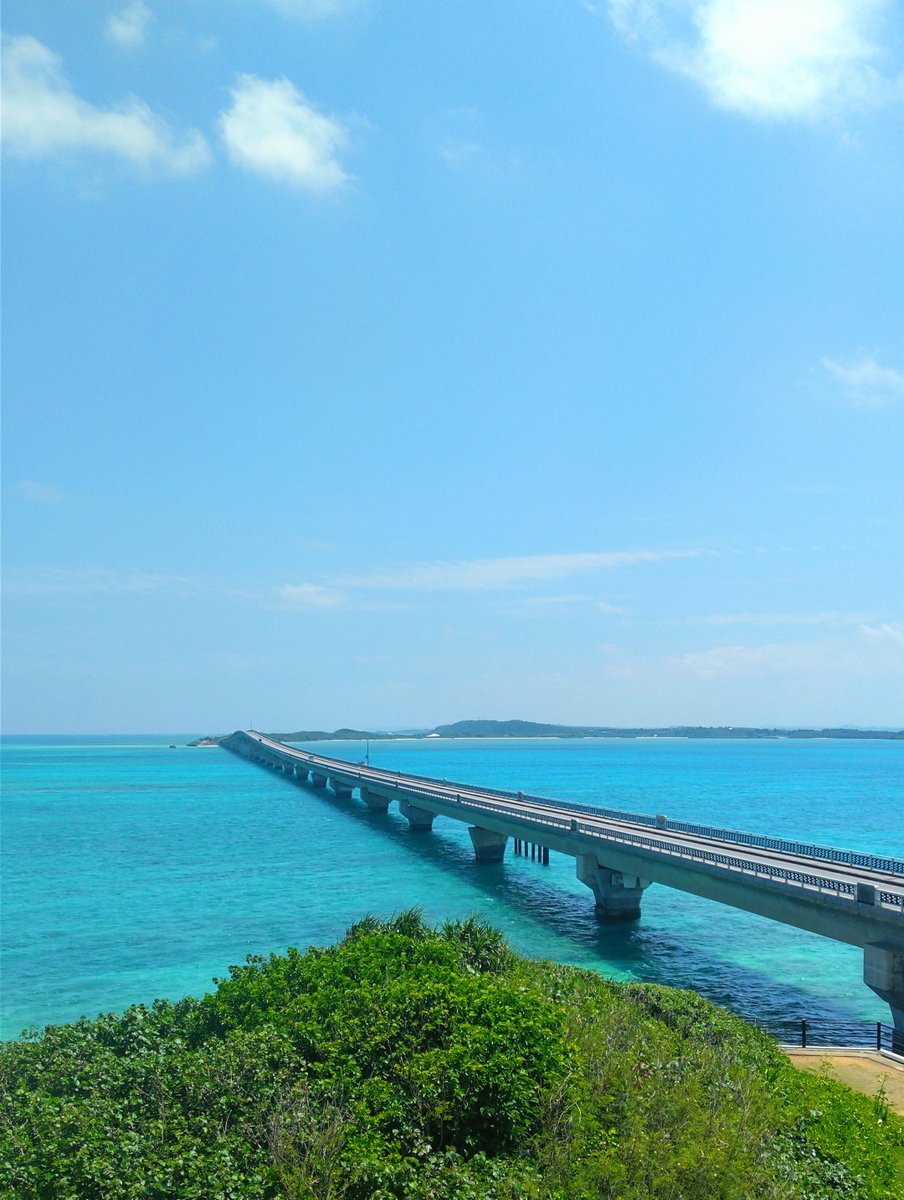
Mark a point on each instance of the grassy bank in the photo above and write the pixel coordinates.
(415, 1063)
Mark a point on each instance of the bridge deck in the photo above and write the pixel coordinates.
(809, 868)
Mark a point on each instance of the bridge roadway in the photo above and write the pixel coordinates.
(845, 895)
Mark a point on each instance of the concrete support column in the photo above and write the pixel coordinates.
(617, 896)
(341, 789)
(489, 846)
(318, 781)
(419, 819)
(883, 971)
(375, 803)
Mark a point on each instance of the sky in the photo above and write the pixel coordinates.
(386, 365)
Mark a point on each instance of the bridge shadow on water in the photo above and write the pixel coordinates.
(637, 949)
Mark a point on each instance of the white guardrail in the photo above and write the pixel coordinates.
(451, 793)
(659, 845)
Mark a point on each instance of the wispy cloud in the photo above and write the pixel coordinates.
(459, 153)
(743, 661)
(769, 59)
(466, 145)
(870, 650)
(271, 130)
(891, 632)
(301, 597)
(129, 25)
(44, 118)
(495, 573)
(569, 598)
(312, 10)
(34, 582)
(39, 493)
(773, 620)
(864, 383)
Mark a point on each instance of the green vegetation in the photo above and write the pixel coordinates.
(429, 1065)
(534, 729)
(504, 729)
(319, 735)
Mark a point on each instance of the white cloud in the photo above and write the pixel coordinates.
(458, 154)
(44, 118)
(767, 58)
(312, 10)
(769, 620)
(870, 651)
(543, 601)
(465, 144)
(745, 661)
(487, 573)
(891, 632)
(128, 27)
(272, 131)
(865, 383)
(304, 596)
(35, 582)
(39, 493)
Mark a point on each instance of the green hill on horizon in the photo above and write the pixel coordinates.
(537, 729)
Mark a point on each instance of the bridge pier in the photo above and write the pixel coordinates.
(342, 790)
(419, 819)
(617, 896)
(883, 971)
(375, 803)
(318, 781)
(489, 846)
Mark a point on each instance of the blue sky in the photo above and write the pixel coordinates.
(390, 364)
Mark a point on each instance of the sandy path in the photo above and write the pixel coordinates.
(862, 1070)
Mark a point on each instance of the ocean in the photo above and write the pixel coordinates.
(133, 870)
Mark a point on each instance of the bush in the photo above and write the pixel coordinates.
(417, 1063)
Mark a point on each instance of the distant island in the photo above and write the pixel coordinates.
(535, 729)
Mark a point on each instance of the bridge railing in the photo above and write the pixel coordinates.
(826, 1031)
(856, 858)
(733, 862)
(659, 844)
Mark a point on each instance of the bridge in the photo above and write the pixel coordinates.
(841, 894)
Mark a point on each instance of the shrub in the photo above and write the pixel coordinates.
(429, 1064)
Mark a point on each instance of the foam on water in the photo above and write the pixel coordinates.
(131, 870)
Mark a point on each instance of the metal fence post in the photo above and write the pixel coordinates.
(803, 1034)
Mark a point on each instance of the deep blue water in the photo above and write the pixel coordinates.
(132, 870)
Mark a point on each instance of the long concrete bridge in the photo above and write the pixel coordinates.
(841, 894)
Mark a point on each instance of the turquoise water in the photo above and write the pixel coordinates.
(132, 870)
